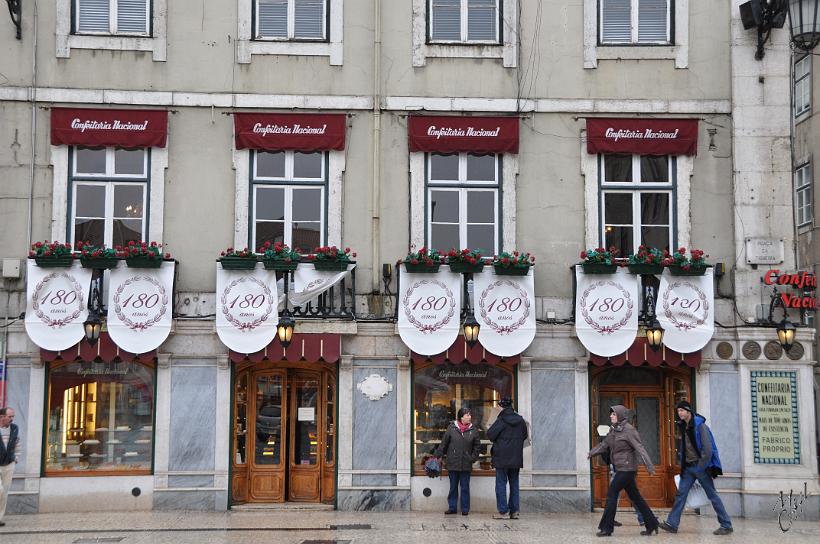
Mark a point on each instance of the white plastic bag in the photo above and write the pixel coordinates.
(697, 495)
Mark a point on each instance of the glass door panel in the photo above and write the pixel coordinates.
(647, 413)
(305, 438)
(268, 437)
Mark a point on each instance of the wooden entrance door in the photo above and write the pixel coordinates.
(648, 393)
(284, 435)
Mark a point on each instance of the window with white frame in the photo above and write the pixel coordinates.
(637, 201)
(463, 201)
(121, 17)
(635, 22)
(464, 21)
(290, 20)
(803, 186)
(288, 198)
(802, 85)
(109, 195)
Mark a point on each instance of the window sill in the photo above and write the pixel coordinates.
(459, 51)
(247, 48)
(802, 116)
(636, 52)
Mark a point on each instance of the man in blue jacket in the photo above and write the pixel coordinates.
(699, 461)
(508, 433)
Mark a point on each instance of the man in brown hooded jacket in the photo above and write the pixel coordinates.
(624, 445)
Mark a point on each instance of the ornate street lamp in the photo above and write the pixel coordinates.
(785, 334)
(93, 323)
(471, 328)
(805, 27)
(284, 330)
(654, 334)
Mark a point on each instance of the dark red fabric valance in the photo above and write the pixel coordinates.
(290, 131)
(104, 127)
(440, 134)
(460, 352)
(303, 347)
(105, 349)
(640, 353)
(642, 136)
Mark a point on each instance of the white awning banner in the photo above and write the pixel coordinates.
(309, 283)
(686, 310)
(505, 309)
(57, 305)
(429, 311)
(140, 306)
(606, 311)
(246, 308)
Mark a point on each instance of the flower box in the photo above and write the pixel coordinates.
(467, 268)
(62, 261)
(237, 263)
(279, 264)
(599, 268)
(421, 268)
(143, 262)
(646, 268)
(99, 263)
(335, 266)
(693, 271)
(511, 270)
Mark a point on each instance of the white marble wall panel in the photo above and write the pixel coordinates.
(725, 400)
(553, 424)
(374, 423)
(193, 406)
(17, 393)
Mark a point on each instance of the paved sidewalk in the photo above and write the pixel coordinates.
(295, 527)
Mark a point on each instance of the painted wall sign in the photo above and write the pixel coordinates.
(800, 281)
(295, 131)
(642, 136)
(57, 305)
(109, 127)
(445, 134)
(775, 422)
(765, 250)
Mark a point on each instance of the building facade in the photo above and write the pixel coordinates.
(298, 122)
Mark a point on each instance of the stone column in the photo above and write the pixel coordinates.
(345, 423)
(223, 431)
(525, 409)
(34, 433)
(403, 421)
(162, 429)
(582, 422)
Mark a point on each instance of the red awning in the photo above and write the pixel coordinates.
(295, 131)
(303, 347)
(640, 353)
(460, 352)
(642, 136)
(105, 349)
(440, 134)
(116, 128)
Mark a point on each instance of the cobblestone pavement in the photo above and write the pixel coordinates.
(297, 527)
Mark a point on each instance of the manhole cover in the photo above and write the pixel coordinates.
(99, 540)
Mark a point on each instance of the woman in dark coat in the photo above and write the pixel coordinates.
(624, 445)
(460, 447)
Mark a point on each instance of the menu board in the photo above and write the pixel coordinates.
(774, 417)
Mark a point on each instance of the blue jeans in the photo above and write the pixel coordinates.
(502, 476)
(459, 478)
(687, 479)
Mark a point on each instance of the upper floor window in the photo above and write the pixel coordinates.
(288, 198)
(463, 201)
(125, 17)
(802, 85)
(637, 201)
(109, 192)
(803, 183)
(290, 20)
(635, 22)
(465, 21)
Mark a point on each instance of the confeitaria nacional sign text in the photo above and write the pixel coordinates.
(802, 281)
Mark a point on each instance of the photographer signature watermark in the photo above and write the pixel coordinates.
(790, 507)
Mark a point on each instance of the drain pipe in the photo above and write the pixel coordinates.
(33, 99)
(375, 192)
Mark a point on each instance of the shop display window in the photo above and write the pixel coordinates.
(100, 418)
(441, 390)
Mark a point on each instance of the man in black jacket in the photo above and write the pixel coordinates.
(508, 433)
(9, 439)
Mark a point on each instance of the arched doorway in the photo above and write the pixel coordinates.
(651, 394)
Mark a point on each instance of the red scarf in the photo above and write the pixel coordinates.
(462, 427)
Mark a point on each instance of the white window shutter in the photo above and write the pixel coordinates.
(132, 16)
(481, 20)
(616, 24)
(446, 20)
(93, 16)
(272, 17)
(653, 21)
(309, 19)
